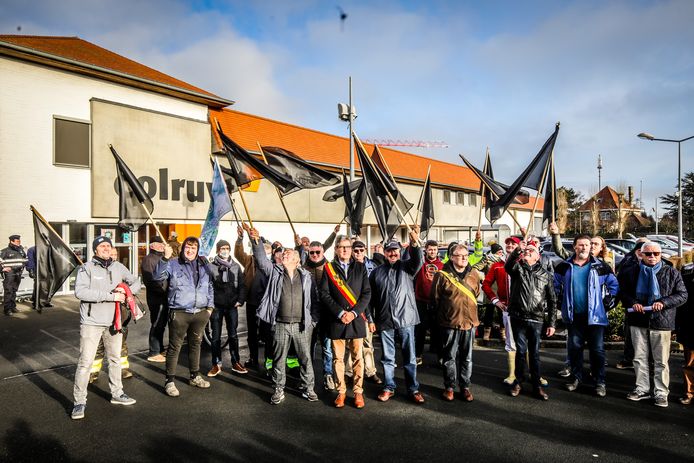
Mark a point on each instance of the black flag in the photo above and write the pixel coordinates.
(355, 204)
(549, 213)
(297, 170)
(133, 197)
(532, 177)
(387, 215)
(337, 192)
(55, 261)
(426, 207)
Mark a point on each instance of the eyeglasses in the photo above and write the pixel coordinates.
(315, 253)
(460, 255)
(651, 254)
(359, 250)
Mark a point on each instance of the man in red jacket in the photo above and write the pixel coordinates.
(497, 275)
(422, 292)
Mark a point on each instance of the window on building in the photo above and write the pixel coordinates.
(446, 196)
(460, 198)
(70, 142)
(605, 215)
(473, 199)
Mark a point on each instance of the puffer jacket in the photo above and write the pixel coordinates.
(600, 277)
(392, 293)
(673, 294)
(454, 308)
(183, 294)
(94, 287)
(269, 304)
(357, 279)
(532, 291)
(227, 293)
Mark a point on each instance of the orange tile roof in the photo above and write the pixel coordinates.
(333, 151)
(81, 51)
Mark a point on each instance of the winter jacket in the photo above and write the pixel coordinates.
(269, 304)
(149, 263)
(684, 323)
(496, 274)
(455, 307)
(600, 279)
(183, 293)
(94, 287)
(422, 284)
(256, 281)
(532, 291)
(232, 291)
(673, 294)
(15, 258)
(392, 293)
(357, 279)
(31, 261)
(558, 247)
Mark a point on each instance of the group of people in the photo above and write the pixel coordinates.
(297, 301)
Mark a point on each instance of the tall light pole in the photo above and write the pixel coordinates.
(648, 136)
(348, 113)
(599, 172)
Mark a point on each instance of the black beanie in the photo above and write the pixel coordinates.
(100, 239)
(221, 243)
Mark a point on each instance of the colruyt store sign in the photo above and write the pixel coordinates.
(169, 154)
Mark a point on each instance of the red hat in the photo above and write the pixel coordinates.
(513, 239)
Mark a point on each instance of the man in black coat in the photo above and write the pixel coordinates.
(156, 300)
(12, 259)
(345, 293)
(651, 293)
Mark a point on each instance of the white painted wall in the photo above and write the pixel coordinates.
(30, 95)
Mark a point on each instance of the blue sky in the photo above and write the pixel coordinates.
(474, 74)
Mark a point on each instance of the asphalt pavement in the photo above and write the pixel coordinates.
(234, 421)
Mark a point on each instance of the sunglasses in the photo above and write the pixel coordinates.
(314, 253)
(358, 250)
(651, 254)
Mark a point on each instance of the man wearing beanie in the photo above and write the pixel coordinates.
(97, 289)
(191, 301)
(156, 300)
(229, 295)
(12, 259)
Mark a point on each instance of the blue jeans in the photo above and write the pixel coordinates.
(581, 332)
(229, 315)
(527, 336)
(409, 359)
(326, 350)
(457, 356)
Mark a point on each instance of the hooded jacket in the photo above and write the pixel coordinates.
(94, 287)
(600, 276)
(392, 293)
(183, 293)
(532, 291)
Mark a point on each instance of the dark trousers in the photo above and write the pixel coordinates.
(489, 312)
(526, 333)
(230, 316)
(580, 332)
(10, 285)
(420, 331)
(457, 357)
(158, 316)
(628, 344)
(266, 334)
(182, 324)
(252, 324)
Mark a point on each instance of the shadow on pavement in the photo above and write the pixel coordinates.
(24, 445)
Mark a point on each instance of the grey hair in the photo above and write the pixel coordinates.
(651, 244)
(455, 247)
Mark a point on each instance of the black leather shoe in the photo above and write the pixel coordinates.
(541, 394)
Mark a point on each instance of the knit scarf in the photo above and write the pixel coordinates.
(647, 289)
(225, 266)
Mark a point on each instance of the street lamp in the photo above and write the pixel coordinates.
(648, 136)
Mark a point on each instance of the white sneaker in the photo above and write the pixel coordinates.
(198, 381)
(123, 399)
(78, 411)
(171, 389)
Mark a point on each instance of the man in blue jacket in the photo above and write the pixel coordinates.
(582, 280)
(290, 306)
(191, 301)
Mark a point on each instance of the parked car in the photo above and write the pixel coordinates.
(686, 246)
(548, 250)
(626, 243)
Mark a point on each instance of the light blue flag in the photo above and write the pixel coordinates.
(220, 205)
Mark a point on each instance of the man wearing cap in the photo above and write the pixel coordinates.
(499, 299)
(395, 310)
(12, 261)
(97, 289)
(229, 295)
(422, 292)
(156, 300)
(532, 295)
